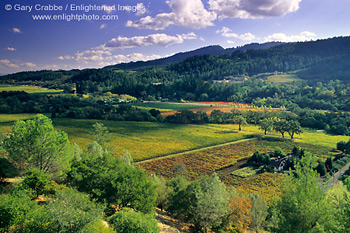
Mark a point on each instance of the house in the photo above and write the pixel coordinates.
(279, 163)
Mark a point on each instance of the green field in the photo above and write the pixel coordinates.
(245, 172)
(150, 139)
(29, 89)
(165, 106)
(283, 78)
(14, 117)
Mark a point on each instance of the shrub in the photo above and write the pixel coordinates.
(129, 221)
(15, 209)
(36, 180)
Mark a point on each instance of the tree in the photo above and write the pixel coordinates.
(294, 128)
(126, 158)
(281, 126)
(162, 190)
(127, 220)
(321, 168)
(240, 120)
(109, 180)
(101, 133)
(302, 207)
(211, 203)
(258, 212)
(266, 125)
(329, 164)
(68, 211)
(35, 144)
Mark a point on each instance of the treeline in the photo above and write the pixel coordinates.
(94, 107)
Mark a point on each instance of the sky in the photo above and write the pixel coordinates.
(78, 34)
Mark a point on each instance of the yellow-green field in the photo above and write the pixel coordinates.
(167, 107)
(15, 117)
(29, 89)
(283, 78)
(322, 139)
(150, 139)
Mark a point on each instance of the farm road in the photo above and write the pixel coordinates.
(336, 176)
(194, 150)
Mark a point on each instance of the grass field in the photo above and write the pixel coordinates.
(29, 89)
(14, 117)
(245, 172)
(319, 138)
(283, 78)
(165, 106)
(149, 139)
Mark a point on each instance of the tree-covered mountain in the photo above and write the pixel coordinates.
(196, 78)
(212, 50)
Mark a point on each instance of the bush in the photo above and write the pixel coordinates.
(15, 209)
(321, 168)
(258, 159)
(36, 180)
(129, 221)
(97, 226)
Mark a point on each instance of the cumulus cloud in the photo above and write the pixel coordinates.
(67, 57)
(103, 26)
(303, 36)
(16, 30)
(104, 58)
(159, 39)
(30, 65)
(6, 64)
(253, 8)
(226, 32)
(186, 13)
(104, 54)
(11, 49)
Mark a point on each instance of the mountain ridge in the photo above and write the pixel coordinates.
(213, 50)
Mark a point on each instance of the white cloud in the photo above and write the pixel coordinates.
(141, 9)
(5, 63)
(11, 49)
(102, 57)
(303, 36)
(67, 57)
(16, 30)
(103, 26)
(226, 32)
(30, 65)
(159, 39)
(230, 42)
(186, 13)
(253, 8)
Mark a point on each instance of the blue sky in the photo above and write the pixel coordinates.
(96, 33)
